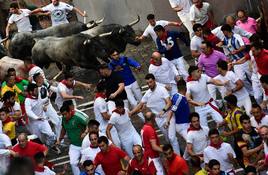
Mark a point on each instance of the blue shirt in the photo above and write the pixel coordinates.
(175, 51)
(181, 109)
(122, 68)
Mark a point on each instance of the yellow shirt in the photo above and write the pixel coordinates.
(233, 119)
(9, 129)
(202, 172)
(13, 89)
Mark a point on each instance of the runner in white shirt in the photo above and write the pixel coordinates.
(164, 72)
(101, 113)
(157, 99)
(196, 41)
(58, 11)
(20, 17)
(197, 137)
(182, 7)
(90, 152)
(66, 88)
(197, 94)
(125, 129)
(152, 23)
(5, 152)
(200, 12)
(234, 86)
(221, 151)
(258, 117)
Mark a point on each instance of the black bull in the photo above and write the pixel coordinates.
(84, 50)
(22, 43)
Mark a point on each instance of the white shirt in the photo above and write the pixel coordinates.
(155, 100)
(123, 125)
(47, 171)
(22, 20)
(150, 29)
(237, 30)
(265, 148)
(165, 73)
(198, 89)
(58, 13)
(254, 123)
(62, 88)
(4, 152)
(196, 42)
(232, 78)
(185, 4)
(199, 15)
(89, 154)
(86, 141)
(199, 139)
(221, 155)
(100, 106)
(34, 108)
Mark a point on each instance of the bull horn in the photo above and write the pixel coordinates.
(90, 25)
(135, 22)
(105, 34)
(100, 21)
(86, 41)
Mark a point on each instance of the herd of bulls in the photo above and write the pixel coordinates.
(73, 44)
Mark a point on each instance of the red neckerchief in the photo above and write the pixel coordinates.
(118, 112)
(192, 128)
(72, 112)
(31, 97)
(190, 78)
(164, 36)
(39, 168)
(199, 7)
(65, 83)
(100, 94)
(216, 146)
(18, 79)
(8, 119)
(31, 66)
(259, 121)
(91, 146)
(154, 63)
(266, 91)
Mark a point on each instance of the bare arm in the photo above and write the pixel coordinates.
(173, 23)
(136, 109)
(81, 84)
(62, 134)
(79, 12)
(239, 85)
(69, 97)
(7, 29)
(217, 82)
(192, 102)
(108, 132)
(38, 10)
(154, 146)
(105, 116)
(247, 152)
(189, 148)
(177, 8)
(195, 53)
(118, 91)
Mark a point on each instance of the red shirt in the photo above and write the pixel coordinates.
(262, 62)
(110, 160)
(177, 166)
(148, 133)
(30, 150)
(146, 168)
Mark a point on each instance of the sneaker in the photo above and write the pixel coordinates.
(56, 149)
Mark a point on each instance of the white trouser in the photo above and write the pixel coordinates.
(185, 19)
(257, 88)
(115, 137)
(206, 110)
(246, 103)
(158, 166)
(180, 65)
(111, 105)
(55, 119)
(127, 143)
(181, 129)
(74, 154)
(243, 73)
(212, 89)
(43, 131)
(170, 132)
(134, 96)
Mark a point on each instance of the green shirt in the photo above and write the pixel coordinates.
(22, 85)
(75, 126)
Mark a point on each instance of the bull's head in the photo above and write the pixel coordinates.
(126, 33)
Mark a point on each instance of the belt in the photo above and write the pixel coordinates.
(213, 106)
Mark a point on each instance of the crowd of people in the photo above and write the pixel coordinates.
(217, 108)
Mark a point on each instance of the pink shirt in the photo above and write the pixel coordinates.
(250, 26)
(209, 62)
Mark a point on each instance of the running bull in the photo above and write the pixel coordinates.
(84, 50)
(22, 43)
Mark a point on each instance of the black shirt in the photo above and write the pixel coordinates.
(112, 84)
